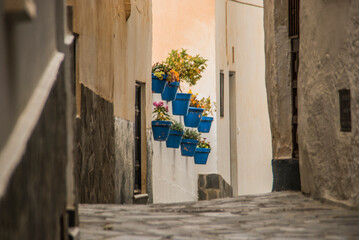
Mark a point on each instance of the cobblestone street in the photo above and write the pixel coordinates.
(282, 215)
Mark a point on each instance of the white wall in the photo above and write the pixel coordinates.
(190, 25)
(245, 32)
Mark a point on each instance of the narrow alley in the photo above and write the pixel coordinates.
(281, 215)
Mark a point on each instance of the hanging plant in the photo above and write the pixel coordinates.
(189, 68)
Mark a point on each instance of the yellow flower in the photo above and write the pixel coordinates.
(190, 91)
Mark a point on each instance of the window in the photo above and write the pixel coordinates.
(221, 89)
(345, 111)
(293, 7)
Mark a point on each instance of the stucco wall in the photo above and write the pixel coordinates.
(329, 57)
(34, 146)
(245, 33)
(278, 76)
(190, 25)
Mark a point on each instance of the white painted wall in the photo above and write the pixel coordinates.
(200, 27)
(246, 33)
(190, 25)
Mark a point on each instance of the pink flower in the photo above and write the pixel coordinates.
(155, 104)
(166, 107)
(160, 104)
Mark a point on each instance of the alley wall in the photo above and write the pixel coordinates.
(329, 57)
(244, 155)
(189, 25)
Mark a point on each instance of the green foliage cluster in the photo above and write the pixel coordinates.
(203, 143)
(177, 126)
(191, 134)
(188, 67)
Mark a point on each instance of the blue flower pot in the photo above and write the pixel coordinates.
(188, 147)
(193, 117)
(174, 139)
(201, 155)
(157, 84)
(205, 124)
(170, 91)
(160, 130)
(181, 103)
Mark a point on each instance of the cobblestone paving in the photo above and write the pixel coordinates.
(284, 215)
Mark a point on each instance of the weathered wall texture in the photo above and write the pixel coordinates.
(36, 194)
(190, 25)
(95, 158)
(124, 152)
(213, 186)
(278, 81)
(113, 54)
(34, 147)
(329, 61)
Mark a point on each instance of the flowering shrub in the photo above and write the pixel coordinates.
(195, 102)
(161, 112)
(189, 68)
(160, 69)
(191, 134)
(173, 76)
(203, 143)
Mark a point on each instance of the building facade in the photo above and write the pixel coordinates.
(37, 121)
(311, 77)
(235, 79)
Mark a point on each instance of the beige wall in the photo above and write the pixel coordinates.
(252, 131)
(329, 61)
(115, 54)
(190, 25)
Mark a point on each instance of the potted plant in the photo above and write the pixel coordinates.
(161, 123)
(190, 70)
(202, 151)
(175, 136)
(159, 75)
(189, 142)
(206, 119)
(171, 86)
(195, 111)
(188, 67)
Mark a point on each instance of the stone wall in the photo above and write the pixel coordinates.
(95, 153)
(278, 81)
(213, 186)
(35, 198)
(329, 61)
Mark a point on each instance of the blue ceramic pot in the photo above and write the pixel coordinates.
(201, 155)
(174, 139)
(188, 147)
(170, 91)
(157, 84)
(160, 130)
(193, 117)
(205, 124)
(181, 103)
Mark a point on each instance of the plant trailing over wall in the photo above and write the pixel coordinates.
(188, 67)
(177, 126)
(191, 134)
(203, 143)
(173, 76)
(160, 70)
(160, 112)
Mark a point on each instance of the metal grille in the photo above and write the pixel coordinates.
(293, 18)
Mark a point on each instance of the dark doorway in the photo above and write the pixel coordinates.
(138, 133)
